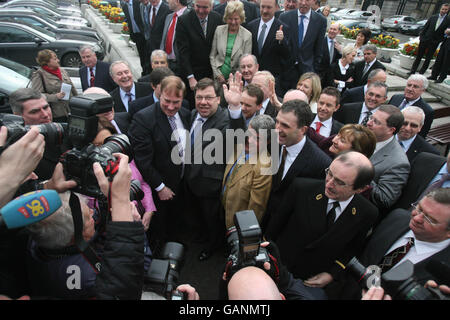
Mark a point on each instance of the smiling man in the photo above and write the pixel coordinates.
(128, 90)
(321, 221)
(408, 137)
(328, 104)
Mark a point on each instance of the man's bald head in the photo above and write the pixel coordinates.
(252, 283)
(295, 95)
(96, 90)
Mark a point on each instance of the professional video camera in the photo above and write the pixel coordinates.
(162, 276)
(398, 282)
(244, 242)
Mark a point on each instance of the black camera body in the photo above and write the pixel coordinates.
(398, 282)
(244, 241)
(163, 274)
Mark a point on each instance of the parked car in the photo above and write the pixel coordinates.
(22, 42)
(343, 12)
(413, 29)
(32, 18)
(394, 22)
(48, 12)
(67, 9)
(354, 24)
(358, 15)
(14, 76)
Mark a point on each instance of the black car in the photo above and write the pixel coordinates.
(14, 76)
(355, 24)
(21, 43)
(30, 17)
(413, 29)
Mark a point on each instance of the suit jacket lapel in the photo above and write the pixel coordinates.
(238, 42)
(163, 123)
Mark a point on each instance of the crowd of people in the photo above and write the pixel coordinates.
(330, 167)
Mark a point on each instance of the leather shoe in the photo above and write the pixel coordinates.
(204, 255)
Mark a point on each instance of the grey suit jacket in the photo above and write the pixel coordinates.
(242, 44)
(391, 174)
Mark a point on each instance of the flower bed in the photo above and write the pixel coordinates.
(385, 41)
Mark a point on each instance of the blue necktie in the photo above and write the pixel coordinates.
(300, 31)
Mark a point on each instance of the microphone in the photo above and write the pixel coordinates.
(29, 208)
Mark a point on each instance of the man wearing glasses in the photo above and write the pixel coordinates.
(320, 221)
(408, 137)
(390, 161)
(420, 236)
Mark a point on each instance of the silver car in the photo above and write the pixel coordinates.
(394, 22)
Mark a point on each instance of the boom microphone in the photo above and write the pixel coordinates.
(29, 208)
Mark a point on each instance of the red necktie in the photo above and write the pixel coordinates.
(170, 33)
(92, 79)
(153, 16)
(318, 126)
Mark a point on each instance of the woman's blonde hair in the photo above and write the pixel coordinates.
(232, 7)
(315, 83)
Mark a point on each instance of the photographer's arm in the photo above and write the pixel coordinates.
(18, 161)
(122, 271)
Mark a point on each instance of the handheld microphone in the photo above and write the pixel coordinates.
(29, 208)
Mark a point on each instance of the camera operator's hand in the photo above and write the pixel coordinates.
(18, 161)
(319, 280)
(190, 291)
(165, 194)
(276, 270)
(376, 293)
(58, 180)
(120, 188)
(444, 289)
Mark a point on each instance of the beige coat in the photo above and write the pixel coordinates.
(247, 188)
(50, 85)
(242, 44)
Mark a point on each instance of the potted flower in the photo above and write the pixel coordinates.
(409, 52)
(349, 35)
(125, 32)
(388, 46)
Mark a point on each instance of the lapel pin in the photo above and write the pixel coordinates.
(319, 196)
(353, 211)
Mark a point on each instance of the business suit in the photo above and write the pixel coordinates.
(397, 99)
(307, 57)
(136, 35)
(360, 79)
(429, 40)
(325, 64)
(156, 30)
(391, 174)
(142, 89)
(143, 102)
(300, 229)
(419, 145)
(271, 110)
(385, 235)
(442, 63)
(335, 127)
(351, 95)
(123, 121)
(251, 11)
(311, 162)
(349, 113)
(247, 187)
(336, 74)
(273, 52)
(242, 44)
(102, 78)
(150, 136)
(424, 168)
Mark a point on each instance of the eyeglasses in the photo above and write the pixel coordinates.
(427, 218)
(376, 121)
(208, 99)
(411, 124)
(337, 181)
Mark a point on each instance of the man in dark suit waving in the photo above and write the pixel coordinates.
(320, 221)
(94, 73)
(430, 37)
(270, 43)
(150, 135)
(306, 31)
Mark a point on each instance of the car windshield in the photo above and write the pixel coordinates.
(17, 67)
(10, 80)
(44, 31)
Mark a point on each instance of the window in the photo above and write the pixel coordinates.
(10, 34)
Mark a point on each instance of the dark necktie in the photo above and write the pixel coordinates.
(196, 130)
(261, 38)
(403, 104)
(153, 16)
(331, 215)
(395, 256)
(170, 33)
(300, 30)
(279, 175)
(92, 77)
(173, 125)
(130, 97)
(366, 119)
(203, 25)
(366, 68)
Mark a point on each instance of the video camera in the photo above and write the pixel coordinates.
(244, 241)
(162, 276)
(80, 132)
(398, 282)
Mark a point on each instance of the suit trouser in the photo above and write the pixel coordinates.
(442, 63)
(423, 46)
(141, 46)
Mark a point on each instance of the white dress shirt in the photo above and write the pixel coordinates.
(292, 153)
(124, 97)
(325, 130)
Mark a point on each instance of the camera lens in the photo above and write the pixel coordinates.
(136, 192)
(364, 276)
(53, 132)
(118, 143)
